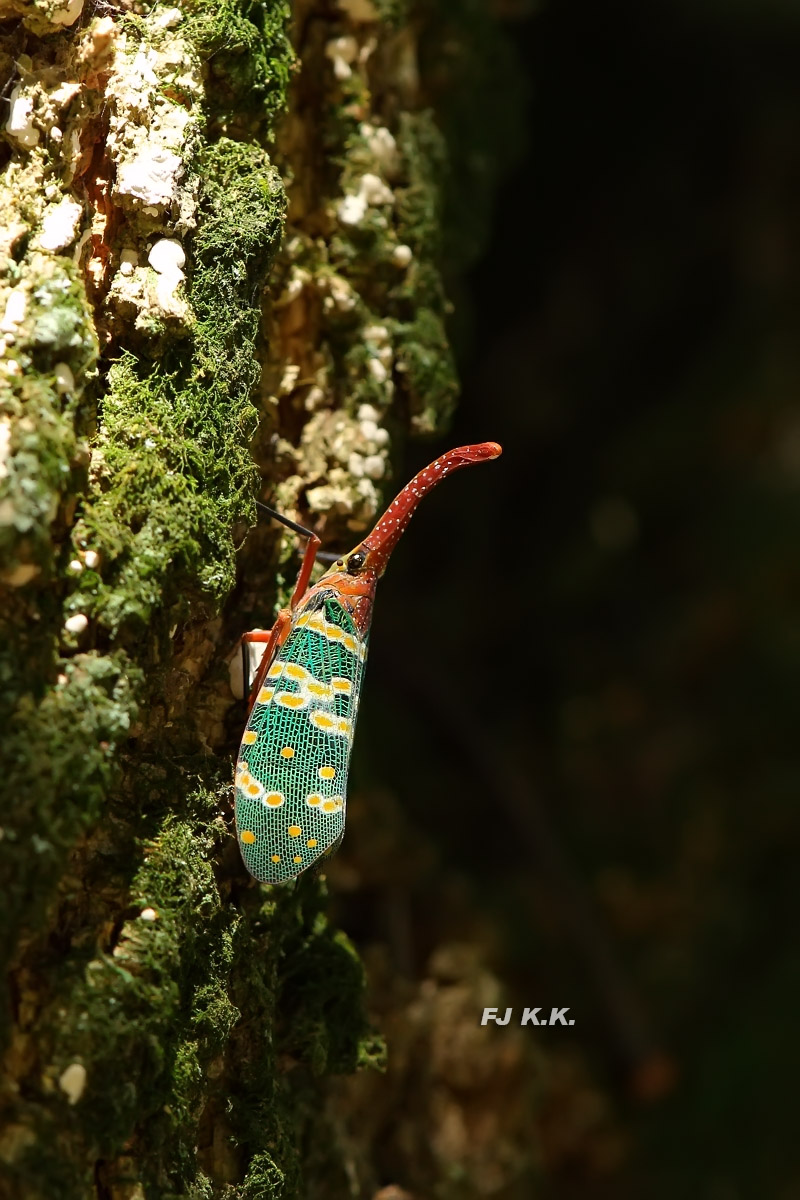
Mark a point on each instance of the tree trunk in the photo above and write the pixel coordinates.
(204, 300)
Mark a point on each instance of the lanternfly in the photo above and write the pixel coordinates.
(291, 774)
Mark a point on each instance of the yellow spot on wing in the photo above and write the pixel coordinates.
(265, 695)
(327, 772)
(297, 858)
(275, 671)
(295, 671)
(323, 721)
(287, 752)
(250, 736)
(311, 843)
(294, 831)
(248, 837)
(274, 799)
(276, 858)
(291, 700)
(313, 800)
(341, 685)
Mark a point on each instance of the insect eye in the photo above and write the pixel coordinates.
(355, 562)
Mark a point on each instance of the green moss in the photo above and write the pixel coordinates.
(39, 473)
(413, 304)
(249, 57)
(451, 156)
(150, 1003)
(322, 987)
(59, 762)
(425, 357)
(420, 201)
(172, 463)
(266, 1181)
(140, 1012)
(185, 977)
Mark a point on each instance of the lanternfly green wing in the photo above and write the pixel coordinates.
(291, 777)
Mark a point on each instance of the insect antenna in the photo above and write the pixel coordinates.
(325, 556)
(309, 533)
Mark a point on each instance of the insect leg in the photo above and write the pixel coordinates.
(309, 558)
(277, 635)
(242, 662)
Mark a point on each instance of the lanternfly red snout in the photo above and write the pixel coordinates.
(384, 537)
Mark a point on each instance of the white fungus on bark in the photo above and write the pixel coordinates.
(352, 208)
(167, 257)
(72, 1081)
(374, 466)
(383, 146)
(16, 307)
(67, 14)
(60, 225)
(65, 380)
(375, 190)
(342, 52)
(128, 262)
(168, 19)
(20, 124)
(152, 176)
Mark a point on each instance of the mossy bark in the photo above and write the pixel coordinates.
(201, 297)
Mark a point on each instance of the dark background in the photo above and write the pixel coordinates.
(583, 685)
